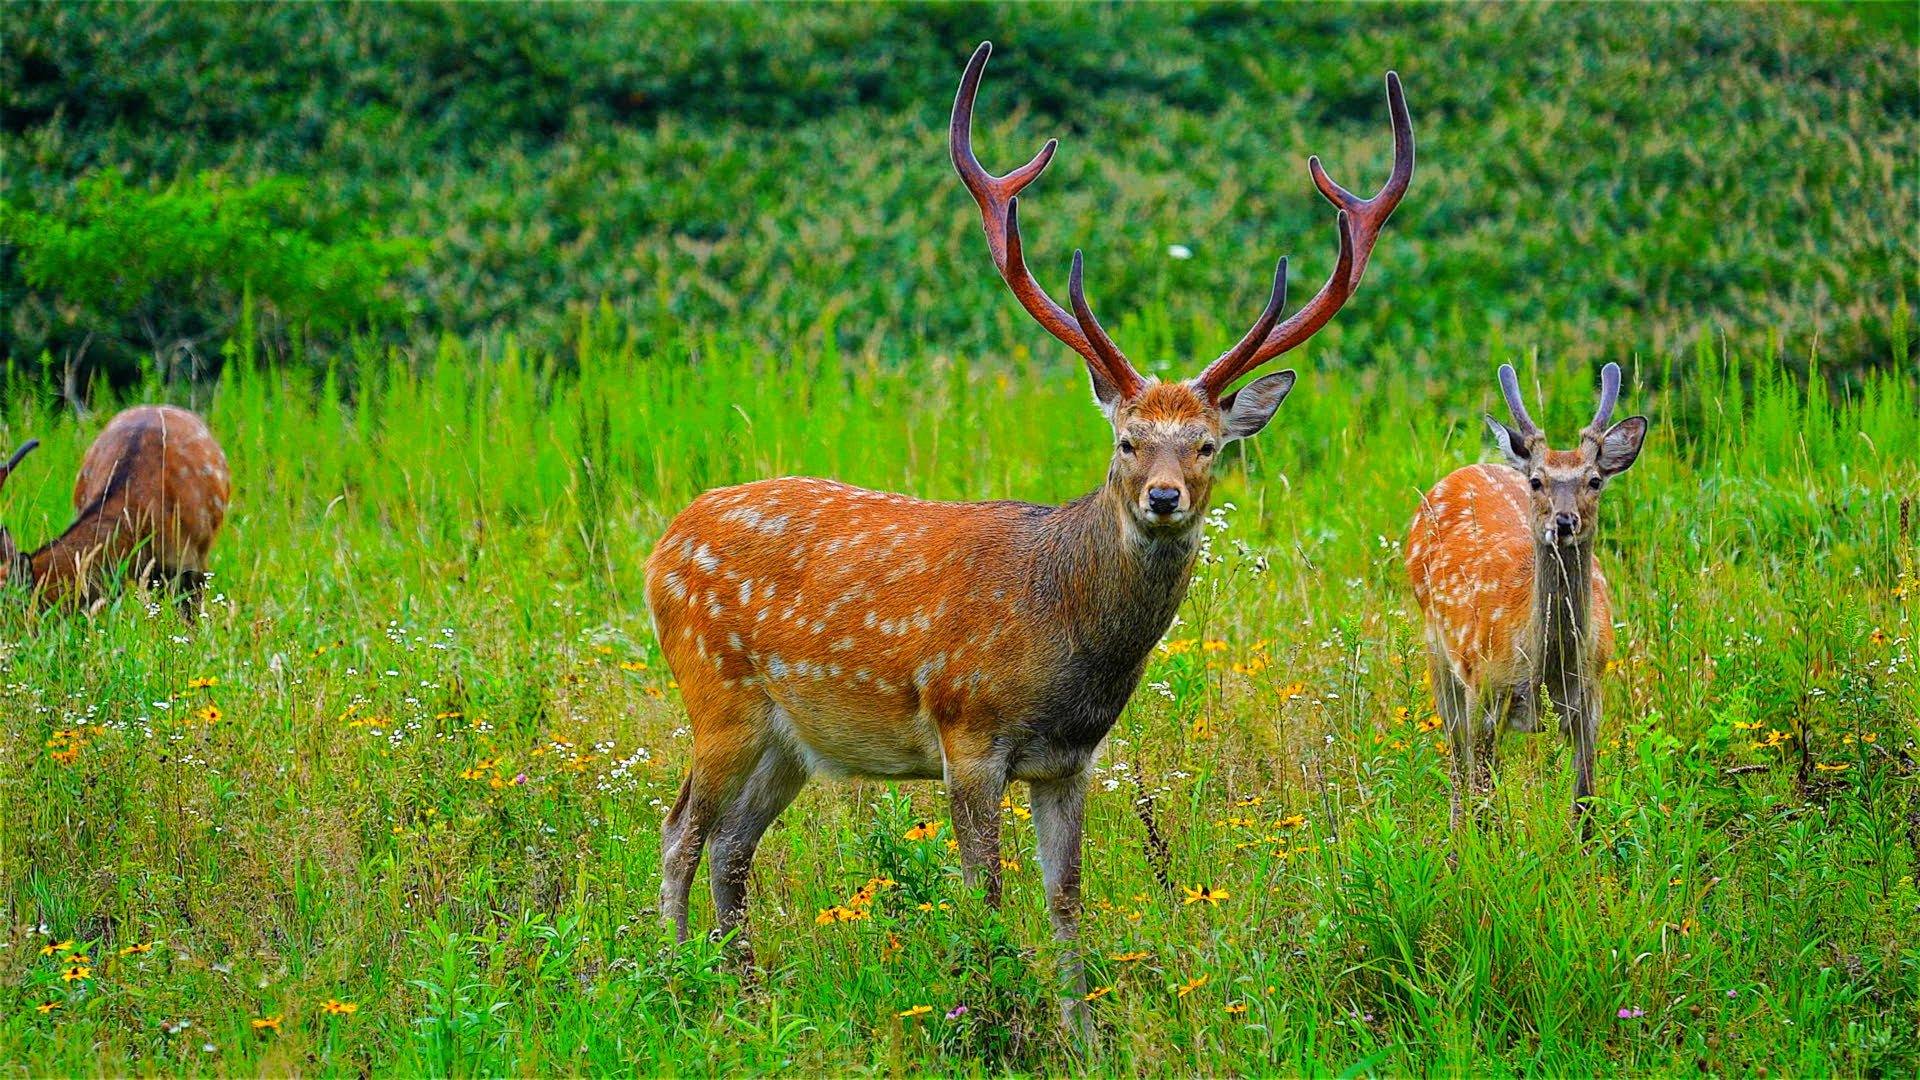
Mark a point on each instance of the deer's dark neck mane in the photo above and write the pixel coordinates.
(1115, 586)
(1562, 610)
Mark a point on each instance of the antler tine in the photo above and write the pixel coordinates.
(1096, 334)
(1000, 218)
(1366, 217)
(1510, 389)
(1609, 393)
(25, 449)
(1237, 356)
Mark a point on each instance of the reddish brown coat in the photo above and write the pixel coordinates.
(1470, 557)
(151, 495)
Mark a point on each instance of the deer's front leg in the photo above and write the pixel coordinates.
(976, 785)
(1059, 810)
(1583, 717)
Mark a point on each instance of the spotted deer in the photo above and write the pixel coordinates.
(1501, 559)
(818, 629)
(151, 496)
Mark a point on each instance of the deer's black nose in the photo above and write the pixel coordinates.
(1163, 500)
(1566, 522)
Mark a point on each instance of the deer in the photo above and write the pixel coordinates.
(1501, 560)
(151, 496)
(817, 629)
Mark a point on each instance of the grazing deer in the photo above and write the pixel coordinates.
(151, 495)
(818, 629)
(1501, 558)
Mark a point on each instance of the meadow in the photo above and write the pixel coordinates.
(415, 757)
(392, 805)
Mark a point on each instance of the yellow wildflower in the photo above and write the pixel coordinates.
(1129, 957)
(1824, 767)
(336, 1007)
(1098, 992)
(917, 1010)
(75, 974)
(923, 830)
(1191, 986)
(54, 947)
(202, 682)
(267, 1023)
(1293, 822)
(1293, 690)
(46, 1007)
(1198, 893)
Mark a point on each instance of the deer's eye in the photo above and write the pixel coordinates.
(1534, 481)
(1593, 482)
(1207, 449)
(1126, 446)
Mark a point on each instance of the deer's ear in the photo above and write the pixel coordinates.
(1621, 445)
(1105, 393)
(1512, 444)
(1245, 411)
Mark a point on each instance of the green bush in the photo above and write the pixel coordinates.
(163, 273)
(1596, 181)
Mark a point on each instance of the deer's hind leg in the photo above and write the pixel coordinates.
(729, 738)
(769, 790)
(1451, 699)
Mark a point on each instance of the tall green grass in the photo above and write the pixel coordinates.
(429, 589)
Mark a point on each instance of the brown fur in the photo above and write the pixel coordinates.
(821, 629)
(151, 495)
(1501, 562)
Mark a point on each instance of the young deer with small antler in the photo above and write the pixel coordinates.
(152, 494)
(1501, 558)
(817, 629)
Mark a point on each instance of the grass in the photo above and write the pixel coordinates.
(442, 741)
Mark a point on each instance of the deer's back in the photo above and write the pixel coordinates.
(873, 620)
(158, 473)
(1470, 558)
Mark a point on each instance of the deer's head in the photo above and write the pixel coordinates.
(1168, 435)
(11, 557)
(1566, 484)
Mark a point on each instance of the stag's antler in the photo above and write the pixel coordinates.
(1359, 223)
(999, 211)
(1609, 393)
(1510, 389)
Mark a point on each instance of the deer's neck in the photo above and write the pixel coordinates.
(57, 566)
(1114, 586)
(1562, 609)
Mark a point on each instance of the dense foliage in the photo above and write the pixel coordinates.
(477, 297)
(1595, 181)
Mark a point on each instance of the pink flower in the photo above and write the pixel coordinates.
(1631, 1014)
(519, 779)
(956, 1012)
